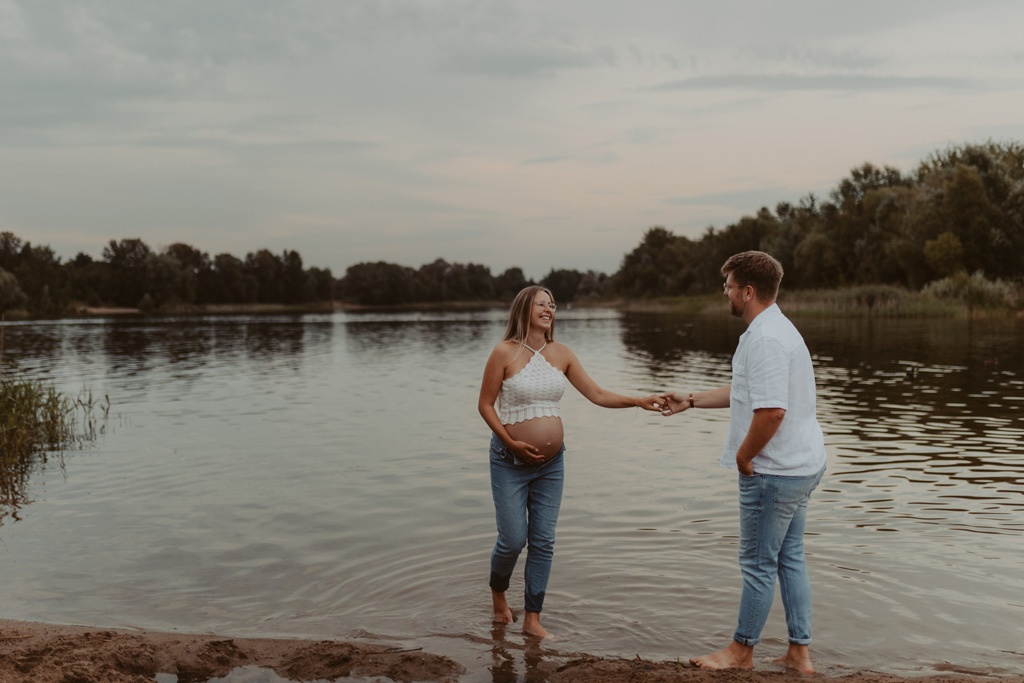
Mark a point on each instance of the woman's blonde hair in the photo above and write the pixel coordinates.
(520, 312)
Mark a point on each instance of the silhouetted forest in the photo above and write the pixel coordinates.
(958, 217)
(130, 274)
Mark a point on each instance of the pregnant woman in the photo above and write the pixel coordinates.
(526, 376)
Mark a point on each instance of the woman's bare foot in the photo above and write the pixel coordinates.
(502, 614)
(797, 658)
(735, 656)
(532, 627)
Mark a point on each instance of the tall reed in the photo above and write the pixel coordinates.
(36, 420)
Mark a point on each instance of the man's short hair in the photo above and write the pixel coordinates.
(757, 269)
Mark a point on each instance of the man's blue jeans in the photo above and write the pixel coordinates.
(773, 513)
(526, 504)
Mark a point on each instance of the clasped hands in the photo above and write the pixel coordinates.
(673, 403)
(667, 404)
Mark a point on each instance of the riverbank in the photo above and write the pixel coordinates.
(46, 653)
(852, 302)
(218, 309)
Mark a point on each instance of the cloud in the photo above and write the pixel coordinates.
(794, 82)
(739, 200)
(556, 159)
(816, 57)
(519, 61)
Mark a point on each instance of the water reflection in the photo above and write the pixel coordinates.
(14, 482)
(162, 358)
(374, 337)
(536, 666)
(667, 339)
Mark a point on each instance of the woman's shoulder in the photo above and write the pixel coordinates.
(559, 349)
(507, 347)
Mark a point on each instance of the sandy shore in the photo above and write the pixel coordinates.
(44, 653)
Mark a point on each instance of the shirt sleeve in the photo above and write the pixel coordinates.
(768, 374)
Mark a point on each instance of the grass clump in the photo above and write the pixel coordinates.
(882, 301)
(35, 416)
(37, 419)
(977, 292)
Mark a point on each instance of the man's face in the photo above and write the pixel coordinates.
(737, 295)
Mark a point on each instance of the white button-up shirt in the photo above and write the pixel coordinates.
(772, 369)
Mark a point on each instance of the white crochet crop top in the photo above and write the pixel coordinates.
(532, 392)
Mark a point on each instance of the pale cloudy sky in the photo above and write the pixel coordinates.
(540, 134)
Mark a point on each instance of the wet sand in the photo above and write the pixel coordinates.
(45, 653)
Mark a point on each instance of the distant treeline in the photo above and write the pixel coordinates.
(132, 275)
(955, 221)
(375, 284)
(959, 214)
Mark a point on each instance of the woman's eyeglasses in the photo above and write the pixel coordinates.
(541, 305)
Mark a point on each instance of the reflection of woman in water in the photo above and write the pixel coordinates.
(525, 375)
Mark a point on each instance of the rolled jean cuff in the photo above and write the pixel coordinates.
(499, 583)
(800, 641)
(748, 642)
(535, 602)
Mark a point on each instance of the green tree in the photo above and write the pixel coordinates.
(436, 282)
(231, 283)
(196, 272)
(594, 285)
(43, 279)
(855, 198)
(945, 254)
(128, 260)
(510, 283)
(816, 256)
(320, 283)
(380, 284)
(10, 251)
(268, 270)
(563, 284)
(294, 282)
(167, 283)
(11, 296)
(660, 266)
(87, 278)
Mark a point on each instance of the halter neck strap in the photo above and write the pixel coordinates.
(533, 349)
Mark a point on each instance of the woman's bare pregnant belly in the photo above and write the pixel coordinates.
(544, 433)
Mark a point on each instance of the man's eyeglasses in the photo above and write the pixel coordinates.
(726, 286)
(541, 305)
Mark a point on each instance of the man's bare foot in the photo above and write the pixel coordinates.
(502, 613)
(532, 627)
(797, 658)
(735, 656)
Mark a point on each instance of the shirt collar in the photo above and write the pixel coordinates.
(764, 316)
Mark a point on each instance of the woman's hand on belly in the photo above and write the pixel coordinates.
(543, 434)
(528, 453)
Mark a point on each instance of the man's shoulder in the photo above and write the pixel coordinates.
(776, 323)
(778, 331)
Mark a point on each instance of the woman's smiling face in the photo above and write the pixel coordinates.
(543, 310)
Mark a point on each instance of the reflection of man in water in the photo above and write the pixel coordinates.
(776, 443)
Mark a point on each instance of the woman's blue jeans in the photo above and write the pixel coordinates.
(526, 504)
(773, 514)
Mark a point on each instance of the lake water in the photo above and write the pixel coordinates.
(326, 476)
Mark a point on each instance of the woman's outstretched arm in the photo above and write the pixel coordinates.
(597, 395)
